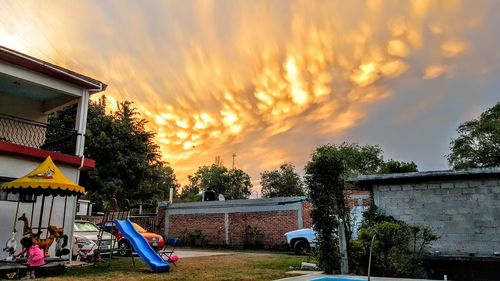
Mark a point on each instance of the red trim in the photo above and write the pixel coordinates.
(25, 151)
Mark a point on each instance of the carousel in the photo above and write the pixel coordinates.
(45, 183)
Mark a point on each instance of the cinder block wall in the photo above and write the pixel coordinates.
(466, 213)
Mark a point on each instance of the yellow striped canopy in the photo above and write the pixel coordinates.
(47, 179)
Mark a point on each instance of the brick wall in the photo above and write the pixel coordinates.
(212, 225)
(272, 225)
(224, 222)
(466, 213)
(306, 214)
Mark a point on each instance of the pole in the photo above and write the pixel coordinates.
(50, 216)
(64, 212)
(344, 264)
(370, 258)
(32, 210)
(17, 213)
(41, 214)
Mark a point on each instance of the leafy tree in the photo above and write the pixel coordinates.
(392, 167)
(478, 143)
(324, 179)
(233, 184)
(239, 185)
(128, 163)
(190, 193)
(357, 159)
(282, 182)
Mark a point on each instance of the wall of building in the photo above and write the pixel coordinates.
(22, 108)
(466, 213)
(230, 222)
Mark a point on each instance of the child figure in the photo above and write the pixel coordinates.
(36, 257)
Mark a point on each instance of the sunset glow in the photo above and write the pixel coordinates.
(267, 80)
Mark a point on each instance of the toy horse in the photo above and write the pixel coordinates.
(26, 228)
(45, 244)
(11, 245)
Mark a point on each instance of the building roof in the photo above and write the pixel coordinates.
(365, 181)
(52, 70)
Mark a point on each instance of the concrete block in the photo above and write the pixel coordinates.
(396, 187)
(461, 184)
(407, 187)
(490, 182)
(447, 185)
(421, 186)
(383, 188)
(470, 190)
(434, 186)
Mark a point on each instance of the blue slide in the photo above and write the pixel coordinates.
(141, 246)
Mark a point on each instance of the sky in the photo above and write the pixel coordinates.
(271, 80)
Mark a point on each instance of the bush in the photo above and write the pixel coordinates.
(253, 238)
(398, 248)
(194, 238)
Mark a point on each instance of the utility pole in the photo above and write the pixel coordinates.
(234, 156)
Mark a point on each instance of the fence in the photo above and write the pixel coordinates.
(37, 135)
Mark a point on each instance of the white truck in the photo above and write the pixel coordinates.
(301, 240)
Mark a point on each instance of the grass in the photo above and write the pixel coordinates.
(236, 266)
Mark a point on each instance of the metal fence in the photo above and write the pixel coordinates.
(35, 134)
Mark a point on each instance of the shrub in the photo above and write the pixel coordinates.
(194, 238)
(398, 248)
(253, 238)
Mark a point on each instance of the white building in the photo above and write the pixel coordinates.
(83, 208)
(30, 89)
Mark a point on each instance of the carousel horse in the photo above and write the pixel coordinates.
(26, 228)
(45, 244)
(11, 245)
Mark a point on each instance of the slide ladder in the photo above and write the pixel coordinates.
(142, 247)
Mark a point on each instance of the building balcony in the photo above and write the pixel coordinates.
(35, 134)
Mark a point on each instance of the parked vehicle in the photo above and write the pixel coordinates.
(85, 239)
(155, 240)
(301, 240)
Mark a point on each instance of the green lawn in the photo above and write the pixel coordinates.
(236, 266)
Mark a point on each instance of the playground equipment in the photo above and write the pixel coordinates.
(121, 222)
(142, 247)
(46, 180)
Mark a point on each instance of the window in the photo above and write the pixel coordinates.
(7, 196)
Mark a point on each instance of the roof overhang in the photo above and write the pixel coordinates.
(51, 70)
(367, 181)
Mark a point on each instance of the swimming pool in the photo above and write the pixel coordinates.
(335, 279)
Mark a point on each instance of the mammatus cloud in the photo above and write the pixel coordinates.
(267, 80)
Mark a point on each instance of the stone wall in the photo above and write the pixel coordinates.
(466, 213)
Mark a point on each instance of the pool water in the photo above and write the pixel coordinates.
(335, 279)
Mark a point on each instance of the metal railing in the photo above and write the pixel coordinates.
(38, 135)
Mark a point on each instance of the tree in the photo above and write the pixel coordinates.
(282, 182)
(478, 143)
(128, 163)
(233, 184)
(357, 159)
(393, 167)
(324, 179)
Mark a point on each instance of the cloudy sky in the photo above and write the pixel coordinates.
(271, 80)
